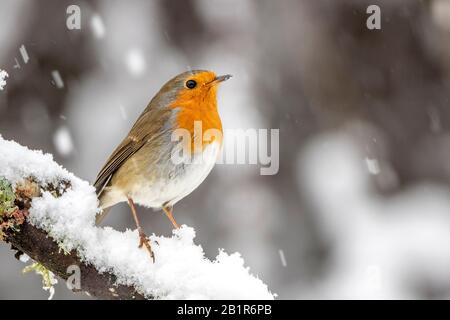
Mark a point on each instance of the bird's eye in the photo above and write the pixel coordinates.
(191, 84)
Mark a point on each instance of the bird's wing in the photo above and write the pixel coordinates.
(148, 126)
(128, 147)
(135, 139)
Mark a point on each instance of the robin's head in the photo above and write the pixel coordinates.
(198, 82)
(192, 98)
(191, 89)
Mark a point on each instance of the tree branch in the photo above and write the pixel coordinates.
(41, 248)
(38, 245)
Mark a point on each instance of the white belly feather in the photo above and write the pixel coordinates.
(181, 184)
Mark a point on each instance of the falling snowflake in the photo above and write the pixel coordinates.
(123, 112)
(135, 61)
(3, 76)
(97, 26)
(57, 79)
(24, 53)
(62, 140)
(282, 257)
(373, 166)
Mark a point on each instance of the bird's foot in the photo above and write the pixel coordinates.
(145, 241)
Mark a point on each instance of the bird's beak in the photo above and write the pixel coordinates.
(219, 79)
(223, 78)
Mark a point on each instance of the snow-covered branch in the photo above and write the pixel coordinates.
(49, 214)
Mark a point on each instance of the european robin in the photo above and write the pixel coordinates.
(141, 169)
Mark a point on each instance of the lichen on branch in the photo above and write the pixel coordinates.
(11, 217)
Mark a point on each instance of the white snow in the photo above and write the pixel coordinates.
(24, 258)
(373, 166)
(123, 112)
(24, 54)
(97, 26)
(135, 61)
(181, 270)
(62, 139)
(282, 257)
(57, 79)
(3, 76)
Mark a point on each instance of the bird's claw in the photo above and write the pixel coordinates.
(144, 241)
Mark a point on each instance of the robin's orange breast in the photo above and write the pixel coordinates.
(202, 109)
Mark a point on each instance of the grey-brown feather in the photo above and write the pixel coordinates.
(146, 128)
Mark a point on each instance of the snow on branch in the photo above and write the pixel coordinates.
(48, 213)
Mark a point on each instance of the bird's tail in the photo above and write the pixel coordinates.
(101, 191)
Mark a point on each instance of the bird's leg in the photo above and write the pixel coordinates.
(143, 239)
(168, 211)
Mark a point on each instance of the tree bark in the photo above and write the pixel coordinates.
(43, 249)
(38, 245)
